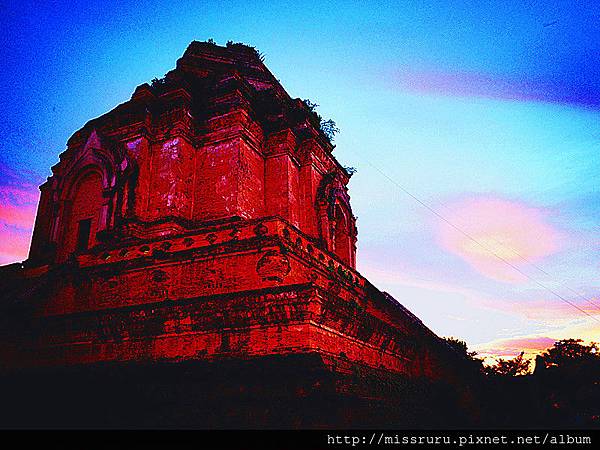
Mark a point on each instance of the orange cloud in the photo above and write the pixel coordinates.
(511, 347)
(497, 232)
(587, 329)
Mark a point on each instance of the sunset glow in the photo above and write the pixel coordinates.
(479, 112)
(488, 233)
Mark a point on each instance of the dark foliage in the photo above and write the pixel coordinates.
(350, 170)
(460, 347)
(571, 354)
(562, 392)
(327, 126)
(509, 367)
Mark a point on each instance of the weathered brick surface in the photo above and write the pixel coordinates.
(221, 229)
(244, 289)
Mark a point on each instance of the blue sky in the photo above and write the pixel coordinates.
(487, 112)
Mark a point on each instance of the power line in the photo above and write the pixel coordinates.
(467, 235)
(563, 284)
(531, 263)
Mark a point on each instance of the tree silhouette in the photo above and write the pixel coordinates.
(567, 377)
(571, 353)
(461, 348)
(562, 392)
(509, 367)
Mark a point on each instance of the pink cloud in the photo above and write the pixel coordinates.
(462, 84)
(492, 234)
(14, 245)
(534, 344)
(18, 206)
(511, 347)
(553, 310)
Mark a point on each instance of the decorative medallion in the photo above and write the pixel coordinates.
(273, 266)
(261, 230)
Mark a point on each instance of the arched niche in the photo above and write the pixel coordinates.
(83, 213)
(91, 193)
(342, 244)
(337, 224)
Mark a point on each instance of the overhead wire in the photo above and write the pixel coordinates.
(489, 250)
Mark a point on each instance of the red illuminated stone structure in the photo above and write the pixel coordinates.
(201, 234)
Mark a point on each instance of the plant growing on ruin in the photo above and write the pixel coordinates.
(327, 126)
(350, 170)
(261, 56)
(158, 82)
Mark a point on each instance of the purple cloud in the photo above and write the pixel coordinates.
(483, 85)
(18, 204)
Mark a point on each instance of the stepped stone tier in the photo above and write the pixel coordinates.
(199, 239)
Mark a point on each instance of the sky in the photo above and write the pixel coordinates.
(473, 126)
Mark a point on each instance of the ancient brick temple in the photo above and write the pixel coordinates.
(193, 264)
